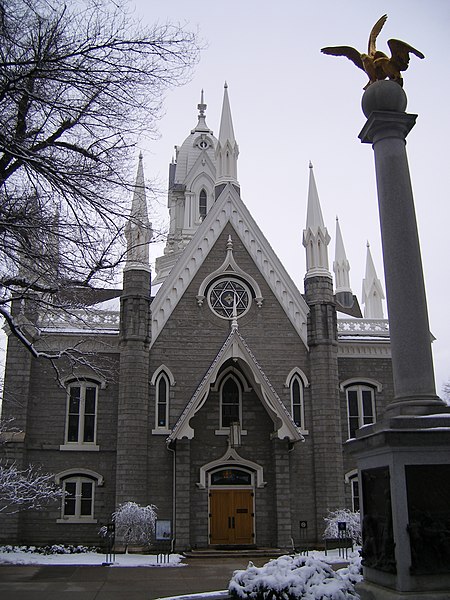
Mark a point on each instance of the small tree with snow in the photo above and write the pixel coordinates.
(352, 519)
(135, 524)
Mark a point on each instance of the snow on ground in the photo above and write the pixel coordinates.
(122, 560)
(89, 559)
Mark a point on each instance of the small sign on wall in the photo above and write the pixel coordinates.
(163, 530)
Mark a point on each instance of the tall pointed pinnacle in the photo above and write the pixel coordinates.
(372, 290)
(138, 230)
(341, 266)
(315, 236)
(227, 150)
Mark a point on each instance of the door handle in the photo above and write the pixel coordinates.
(232, 522)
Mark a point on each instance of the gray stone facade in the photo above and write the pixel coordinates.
(232, 418)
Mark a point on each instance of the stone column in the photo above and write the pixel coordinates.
(132, 420)
(182, 494)
(326, 431)
(403, 461)
(387, 126)
(282, 494)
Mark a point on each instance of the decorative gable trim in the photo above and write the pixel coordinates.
(236, 347)
(229, 208)
(229, 267)
(231, 457)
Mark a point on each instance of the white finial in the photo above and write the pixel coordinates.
(234, 322)
(227, 150)
(341, 266)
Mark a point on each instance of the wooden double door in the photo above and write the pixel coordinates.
(231, 517)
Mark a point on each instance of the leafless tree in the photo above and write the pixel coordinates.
(21, 489)
(79, 83)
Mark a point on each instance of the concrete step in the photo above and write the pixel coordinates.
(207, 553)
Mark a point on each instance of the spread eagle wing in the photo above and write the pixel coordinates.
(374, 34)
(400, 53)
(348, 51)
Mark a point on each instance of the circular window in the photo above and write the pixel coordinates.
(229, 297)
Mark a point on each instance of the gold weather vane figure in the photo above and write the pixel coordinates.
(375, 63)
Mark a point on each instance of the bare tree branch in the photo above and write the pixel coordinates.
(79, 85)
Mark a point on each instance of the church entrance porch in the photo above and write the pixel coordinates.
(231, 517)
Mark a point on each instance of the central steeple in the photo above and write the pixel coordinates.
(202, 168)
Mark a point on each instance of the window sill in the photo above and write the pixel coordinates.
(161, 431)
(80, 447)
(77, 520)
(227, 431)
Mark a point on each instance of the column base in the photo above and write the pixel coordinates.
(371, 591)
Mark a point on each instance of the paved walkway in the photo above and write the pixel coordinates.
(118, 583)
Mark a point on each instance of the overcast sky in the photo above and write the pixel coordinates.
(292, 104)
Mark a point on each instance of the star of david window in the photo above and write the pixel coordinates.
(227, 297)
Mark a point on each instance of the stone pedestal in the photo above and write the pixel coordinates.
(403, 460)
(404, 474)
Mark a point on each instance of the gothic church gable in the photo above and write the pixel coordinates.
(229, 208)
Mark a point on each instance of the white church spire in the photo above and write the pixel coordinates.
(341, 266)
(315, 236)
(372, 291)
(227, 150)
(138, 230)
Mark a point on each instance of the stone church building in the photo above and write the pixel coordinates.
(219, 392)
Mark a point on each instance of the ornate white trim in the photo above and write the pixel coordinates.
(350, 475)
(167, 371)
(299, 372)
(231, 268)
(363, 380)
(229, 208)
(363, 327)
(236, 347)
(84, 375)
(82, 472)
(364, 349)
(232, 457)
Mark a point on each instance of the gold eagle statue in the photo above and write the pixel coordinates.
(376, 64)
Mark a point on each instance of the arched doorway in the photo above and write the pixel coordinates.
(231, 507)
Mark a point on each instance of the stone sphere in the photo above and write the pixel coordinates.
(383, 95)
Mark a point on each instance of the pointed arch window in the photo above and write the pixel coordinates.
(230, 402)
(162, 380)
(297, 405)
(202, 205)
(296, 382)
(162, 401)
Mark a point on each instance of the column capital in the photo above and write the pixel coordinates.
(382, 124)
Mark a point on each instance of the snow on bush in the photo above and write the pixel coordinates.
(135, 524)
(354, 570)
(47, 550)
(352, 519)
(291, 578)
